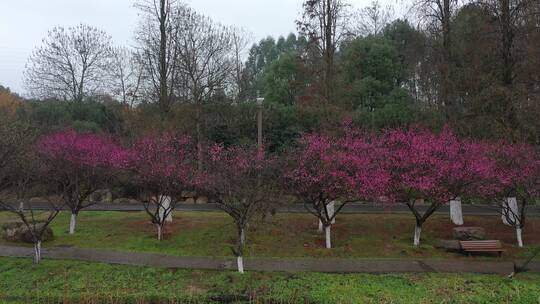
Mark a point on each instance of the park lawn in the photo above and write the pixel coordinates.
(285, 235)
(56, 281)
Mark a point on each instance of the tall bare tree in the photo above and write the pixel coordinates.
(126, 76)
(205, 61)
(326, 23)
(71, 64)
(372, 19)
(513, 17)
(241, 40)
(438, 15)
(157, 49)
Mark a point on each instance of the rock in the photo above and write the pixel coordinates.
(201, 200)
(469, 233)
(15, 232)
(34, 200)
(190, 201)
(449, 245)
(12, 231)
(188, 194)
(125, 201)
(101, 196)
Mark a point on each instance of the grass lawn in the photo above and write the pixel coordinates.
(78, 282)
(285, 235)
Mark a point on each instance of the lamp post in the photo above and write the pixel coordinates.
(260, 101)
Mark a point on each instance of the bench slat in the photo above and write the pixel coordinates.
(482, 246)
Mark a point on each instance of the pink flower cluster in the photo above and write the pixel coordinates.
(398, 165)
(82, 150)
(401, 165)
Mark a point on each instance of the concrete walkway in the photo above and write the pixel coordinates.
(258, 264)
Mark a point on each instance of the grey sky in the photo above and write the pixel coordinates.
(24, 23)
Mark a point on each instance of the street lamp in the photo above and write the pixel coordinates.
(260, 101)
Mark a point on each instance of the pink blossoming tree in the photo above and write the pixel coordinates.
(324, 169)
(435, 167)
(161, 168)
(517, 176)
(78, 165)
(244, 183)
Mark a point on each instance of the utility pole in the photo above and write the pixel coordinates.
(260, 101)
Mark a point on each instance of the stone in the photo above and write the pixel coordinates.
(17, 231)
(189, 201)
(456, 214)
(165, 202)
(510, 212)
(448, 245)
(101, 196)
(35, 200)
(201, 200)
(188, 194)
(125, 201)
(469, 233)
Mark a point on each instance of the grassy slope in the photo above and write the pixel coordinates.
(77, 282)
(286, 235)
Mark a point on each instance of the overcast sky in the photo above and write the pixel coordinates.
(24, 23)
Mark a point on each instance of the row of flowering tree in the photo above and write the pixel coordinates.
(395, 166)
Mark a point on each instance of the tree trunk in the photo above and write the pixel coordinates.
(72, 223)
(159, 232)
(163, 69)
(320, 226)
(331, 211)
(417, 233)
(240, 263)
(328, 236)
(37, 252)
(198, 128)
(519, 237)
(242, 237)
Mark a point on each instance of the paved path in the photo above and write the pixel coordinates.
(285, 265)
(354, 208)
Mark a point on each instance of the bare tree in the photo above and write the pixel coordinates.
(157, 49)
(20, 173)
(326, 23)
(71, 64)
(241, 40)
(373, 18)
(126, 76)
(205, 61)
(438, 15)
(511, 18)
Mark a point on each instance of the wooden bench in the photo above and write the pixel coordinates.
(482, 246)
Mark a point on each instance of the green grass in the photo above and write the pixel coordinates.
(77, 282)
(286, 235)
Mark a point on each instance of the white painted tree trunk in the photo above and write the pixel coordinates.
(519, 237)
(240, 263)
(320, 226)
(37, 252)
(328, 238)
(510, 211)
(159, 233)
(456, 213)
(417, 233)
(331, 210)
(72, 223)
(165, 207)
